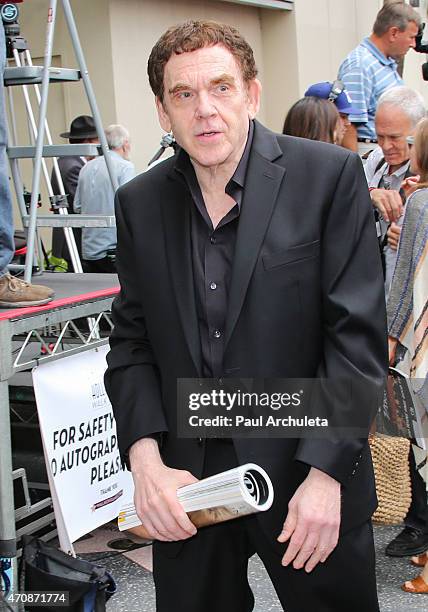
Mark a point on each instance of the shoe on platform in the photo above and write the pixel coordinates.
(16, 293)
(409, 542)
(417, 585)
(420, 560)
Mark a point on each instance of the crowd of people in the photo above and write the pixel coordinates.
(369, 109)
(249, 280)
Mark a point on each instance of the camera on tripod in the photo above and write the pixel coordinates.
(422, 47)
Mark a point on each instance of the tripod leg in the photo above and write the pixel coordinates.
(68, 231)
(39, 142)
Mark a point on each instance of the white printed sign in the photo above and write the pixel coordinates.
(79, 437)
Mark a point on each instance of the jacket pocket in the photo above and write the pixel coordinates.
(294, 254)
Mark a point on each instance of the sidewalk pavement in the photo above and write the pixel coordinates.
(132, 572)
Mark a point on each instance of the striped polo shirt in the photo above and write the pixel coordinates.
(366, 74)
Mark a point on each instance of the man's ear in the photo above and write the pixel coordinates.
(254, 90)
(393, 31)
(163, 116)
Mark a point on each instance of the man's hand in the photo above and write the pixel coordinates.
(313, 521)
(155, 495)
(388, 202)
(393, 235)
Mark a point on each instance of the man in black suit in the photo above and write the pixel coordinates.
(82, 130)
(248, 254)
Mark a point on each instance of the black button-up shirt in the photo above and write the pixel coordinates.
(212, 257)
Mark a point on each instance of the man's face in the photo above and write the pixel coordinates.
(207, 105)
(401, 42)
(94, 140)
(392, 128)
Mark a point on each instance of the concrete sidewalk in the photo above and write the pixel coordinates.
(132, 572)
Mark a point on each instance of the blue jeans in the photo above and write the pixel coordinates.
(7, 244)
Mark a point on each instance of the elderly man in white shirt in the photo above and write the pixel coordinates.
(399, 110)
(95, 196)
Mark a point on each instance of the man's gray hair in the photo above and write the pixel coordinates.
(395, 14)
(406, 99)
(116, 136)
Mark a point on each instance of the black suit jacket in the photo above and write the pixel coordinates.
(306, 300)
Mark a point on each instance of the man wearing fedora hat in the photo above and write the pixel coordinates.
(82, 130)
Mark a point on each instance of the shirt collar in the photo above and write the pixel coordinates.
(114, 153)
(386, 61)
(401, 171)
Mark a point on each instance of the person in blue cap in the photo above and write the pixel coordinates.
(336, 93)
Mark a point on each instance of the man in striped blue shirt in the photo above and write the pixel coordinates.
(371, 68)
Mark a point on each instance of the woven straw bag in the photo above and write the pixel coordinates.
(392, 473)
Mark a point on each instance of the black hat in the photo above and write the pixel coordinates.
(81, 127)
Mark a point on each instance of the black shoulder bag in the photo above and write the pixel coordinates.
(44, 568)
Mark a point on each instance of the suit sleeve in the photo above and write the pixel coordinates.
(132, 377)
(71, 178)
(353, 303)
(77, 205)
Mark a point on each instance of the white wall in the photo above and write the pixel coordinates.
(93, 24)
(326, 31)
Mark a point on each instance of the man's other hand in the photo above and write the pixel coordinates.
(393, 235)
(155, 494)
(388, 202)
(313, 521)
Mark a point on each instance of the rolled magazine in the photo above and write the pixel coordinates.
(243, 490)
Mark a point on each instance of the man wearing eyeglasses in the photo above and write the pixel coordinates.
(399, 111)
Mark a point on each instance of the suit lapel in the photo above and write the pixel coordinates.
(262, 185)
(176, 219)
